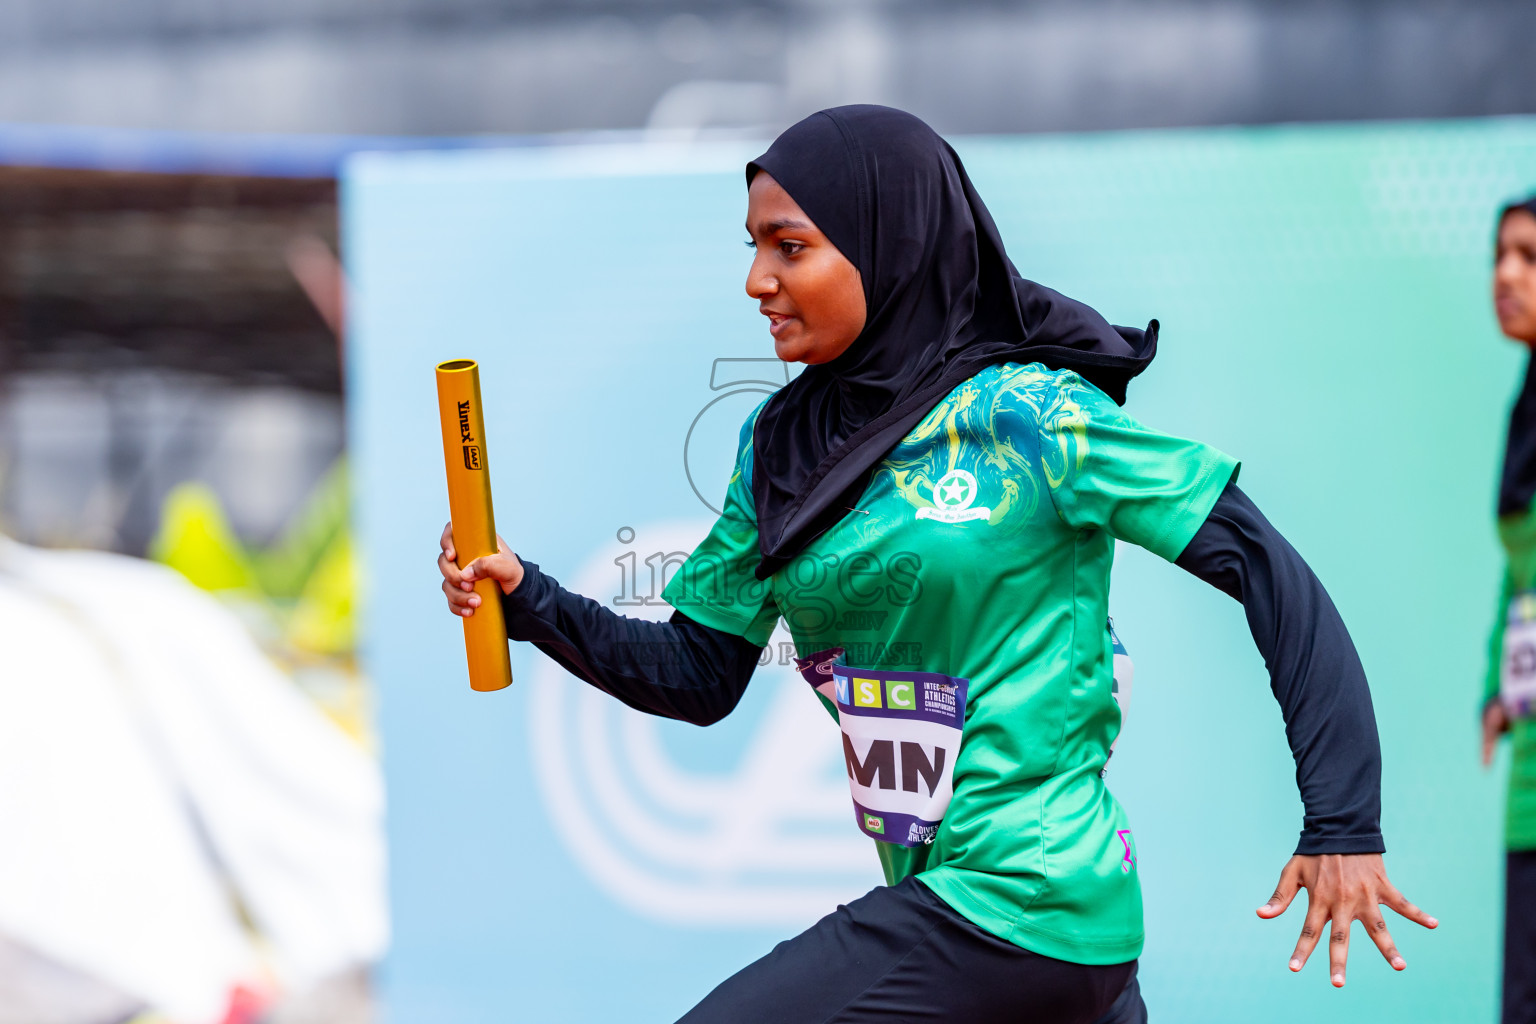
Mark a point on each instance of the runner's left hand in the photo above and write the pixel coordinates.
(1342, 888)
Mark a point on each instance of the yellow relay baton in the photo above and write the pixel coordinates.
(474, 524)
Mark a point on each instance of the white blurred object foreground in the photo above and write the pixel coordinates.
(179, 823)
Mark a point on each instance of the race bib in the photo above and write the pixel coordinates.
(901, 735)
(1517, 676)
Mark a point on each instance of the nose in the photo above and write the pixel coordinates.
(1507, 269)
(760, 282)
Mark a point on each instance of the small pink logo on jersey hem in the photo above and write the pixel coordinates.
(1130, 858)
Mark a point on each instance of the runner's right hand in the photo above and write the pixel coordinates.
(459, 584)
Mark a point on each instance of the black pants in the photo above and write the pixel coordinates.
(1520, 937)
(902, 954)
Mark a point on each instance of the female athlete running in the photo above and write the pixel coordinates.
(953, 462)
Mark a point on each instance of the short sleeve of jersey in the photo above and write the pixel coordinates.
(1108, 472)
(717, 585)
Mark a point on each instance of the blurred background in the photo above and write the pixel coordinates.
(167, 170)
(174, 320)
(524, 66)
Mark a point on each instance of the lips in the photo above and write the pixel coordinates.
(1506, 306)
(777, 322)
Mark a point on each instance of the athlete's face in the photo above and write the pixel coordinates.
(1514, 277)
(811, 294)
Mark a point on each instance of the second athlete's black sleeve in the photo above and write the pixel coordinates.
(680, 669)
(1314, 672)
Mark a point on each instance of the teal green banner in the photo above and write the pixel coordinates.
(1324, 294)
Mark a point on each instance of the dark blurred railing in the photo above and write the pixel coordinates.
(454, 66)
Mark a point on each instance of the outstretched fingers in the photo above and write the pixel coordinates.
(1342, 889)
(1338, 950)
(1311, 931)
(1285, 892)
(1376, 925)
(1398, 902)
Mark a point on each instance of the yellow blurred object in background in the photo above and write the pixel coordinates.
(297, 595)
(324, 619)
(196, 540)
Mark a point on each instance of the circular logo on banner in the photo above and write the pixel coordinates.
(745, 824)
(953, 495)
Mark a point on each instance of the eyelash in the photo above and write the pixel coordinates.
(797, 246)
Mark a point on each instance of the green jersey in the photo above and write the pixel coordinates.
(976, 568)
(1517, 603)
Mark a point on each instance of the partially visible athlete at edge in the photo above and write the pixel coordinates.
(1511, 673)
(962, 418)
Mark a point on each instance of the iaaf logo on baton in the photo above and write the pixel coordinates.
(472, 458)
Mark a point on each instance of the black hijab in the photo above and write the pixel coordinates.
(942, 302)
(1518, 484)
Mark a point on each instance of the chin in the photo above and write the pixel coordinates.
(1522, 329)
(791, 351)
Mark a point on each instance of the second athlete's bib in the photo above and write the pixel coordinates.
(901, 736)
(1517, 675)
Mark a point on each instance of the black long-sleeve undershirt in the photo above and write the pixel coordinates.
(679, 669)
(1314, 671)
(685, 670)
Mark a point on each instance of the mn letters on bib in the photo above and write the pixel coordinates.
(1517, 678)
(901, 735)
